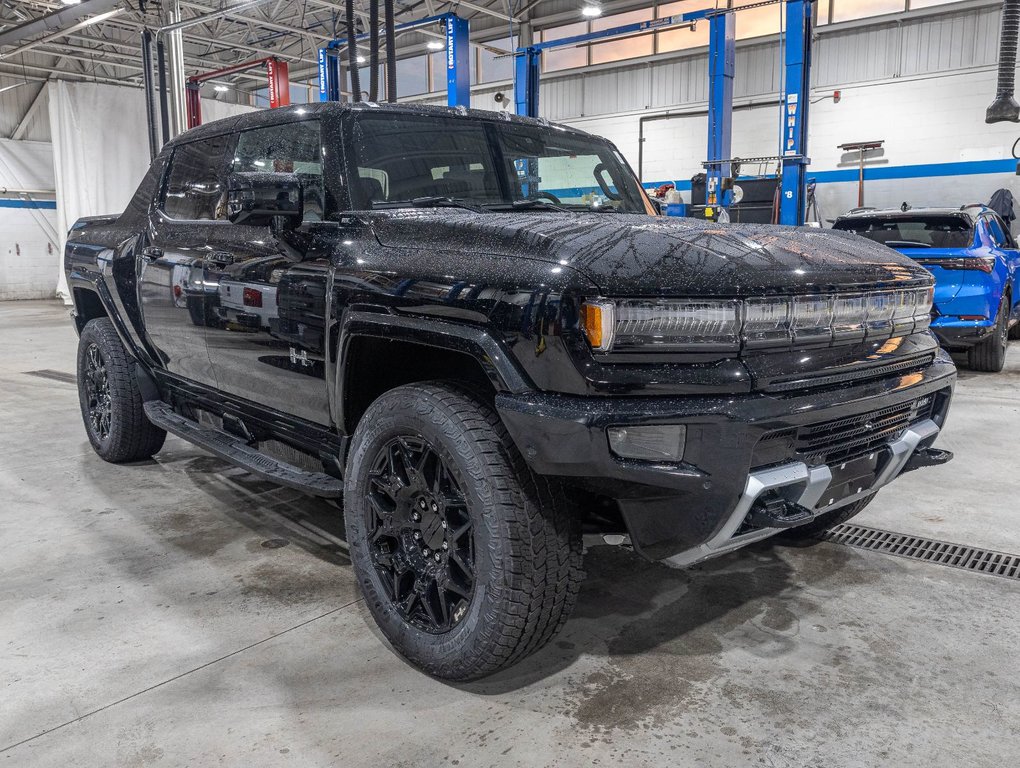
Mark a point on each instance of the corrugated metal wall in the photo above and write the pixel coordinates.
(14, 103)
(929, 44)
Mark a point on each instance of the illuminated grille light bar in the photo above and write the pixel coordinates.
(654, 325)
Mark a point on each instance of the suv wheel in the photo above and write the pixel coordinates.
(990, 355)
(826, 520)
(467, 560)
(111, 405)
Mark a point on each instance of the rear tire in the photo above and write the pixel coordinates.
(826, 520)
(468, 561)
(111, 404)
(989, 355)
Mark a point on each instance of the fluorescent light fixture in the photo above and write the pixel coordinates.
(360, 59)
(221, 88)
(591, 11)
(71, 2)
(435, 45)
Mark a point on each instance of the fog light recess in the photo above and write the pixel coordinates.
(663, 442)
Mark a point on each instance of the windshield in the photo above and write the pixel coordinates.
(913, 231)
(402, 160)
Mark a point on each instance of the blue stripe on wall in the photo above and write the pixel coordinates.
(875, 173)
(28, 204)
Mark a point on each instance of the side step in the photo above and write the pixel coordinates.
(243, 455)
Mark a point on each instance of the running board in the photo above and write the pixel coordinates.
(238, 452)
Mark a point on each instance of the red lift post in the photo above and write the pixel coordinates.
(279, 85)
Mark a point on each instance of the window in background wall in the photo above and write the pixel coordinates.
(915, 4)
(493, 67)
(758, 22)
(412, 76)
(437, 71)
(363, 73)
(564, 58)
(846, 10)
(625, 48)
(682, 37)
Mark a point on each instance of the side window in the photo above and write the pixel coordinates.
(195, 186)
(995, 229)
(289, 148)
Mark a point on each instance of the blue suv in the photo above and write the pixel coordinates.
(974, 259)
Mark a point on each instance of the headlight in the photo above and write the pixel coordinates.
(666, 325)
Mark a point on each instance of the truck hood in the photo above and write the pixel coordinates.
(635, 255)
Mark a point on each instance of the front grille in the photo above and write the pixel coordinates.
(831, 442)
(856, 375)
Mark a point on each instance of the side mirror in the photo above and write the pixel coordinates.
(657, 205)
(265, 199)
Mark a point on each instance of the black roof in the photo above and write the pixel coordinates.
(970, 212)
(264, 117)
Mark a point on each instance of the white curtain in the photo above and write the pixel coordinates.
(101, 149)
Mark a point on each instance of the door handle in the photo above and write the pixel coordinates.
(152, 252)
(220, 258)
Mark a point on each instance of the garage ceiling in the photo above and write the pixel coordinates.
(108, 51)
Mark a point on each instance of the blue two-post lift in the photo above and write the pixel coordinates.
(458, 62)
(793, 159)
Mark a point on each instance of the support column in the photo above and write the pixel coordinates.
(795, 112)
(527, 67)
(458, 62)
(721, 57)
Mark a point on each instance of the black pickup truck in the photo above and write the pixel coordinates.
(474, 330)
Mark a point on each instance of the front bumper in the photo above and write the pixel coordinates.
(684, 512)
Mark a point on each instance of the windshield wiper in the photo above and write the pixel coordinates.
(440, 201)
(535, 203)
(905, 244)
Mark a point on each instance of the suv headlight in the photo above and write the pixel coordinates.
(727, 325)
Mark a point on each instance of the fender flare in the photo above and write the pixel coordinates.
(498, 364)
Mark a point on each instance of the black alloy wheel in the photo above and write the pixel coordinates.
(97, 392)
(420, 534)
(112, 407)
(468, 561)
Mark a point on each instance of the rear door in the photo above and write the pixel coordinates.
(177, 296)
(1007, 248)
(267, 343)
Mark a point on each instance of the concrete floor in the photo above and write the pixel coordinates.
(150, 616)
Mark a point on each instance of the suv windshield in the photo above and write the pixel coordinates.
(402, 160)
(912, 231)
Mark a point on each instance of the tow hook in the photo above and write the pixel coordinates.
(777, 512)
(927, 457)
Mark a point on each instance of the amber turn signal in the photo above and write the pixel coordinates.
(598, 324)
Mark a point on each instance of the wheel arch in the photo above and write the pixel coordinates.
(378, 352)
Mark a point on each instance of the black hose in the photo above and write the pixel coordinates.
(373, 50)
(352, 52)
(1004, 108)
(391, 54)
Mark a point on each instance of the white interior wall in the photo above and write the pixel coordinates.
(28, 234)
(934, 131)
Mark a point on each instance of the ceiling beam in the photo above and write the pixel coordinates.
(56, 20)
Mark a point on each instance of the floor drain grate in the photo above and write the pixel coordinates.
(46, 373)
(928, 550)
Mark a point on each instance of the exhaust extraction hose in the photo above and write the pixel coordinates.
(352, 52)
(373, 50)
(1005, 108)
(391, 54)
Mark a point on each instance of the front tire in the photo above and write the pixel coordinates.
(468, 561)
(989, 355)
(111, 405)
